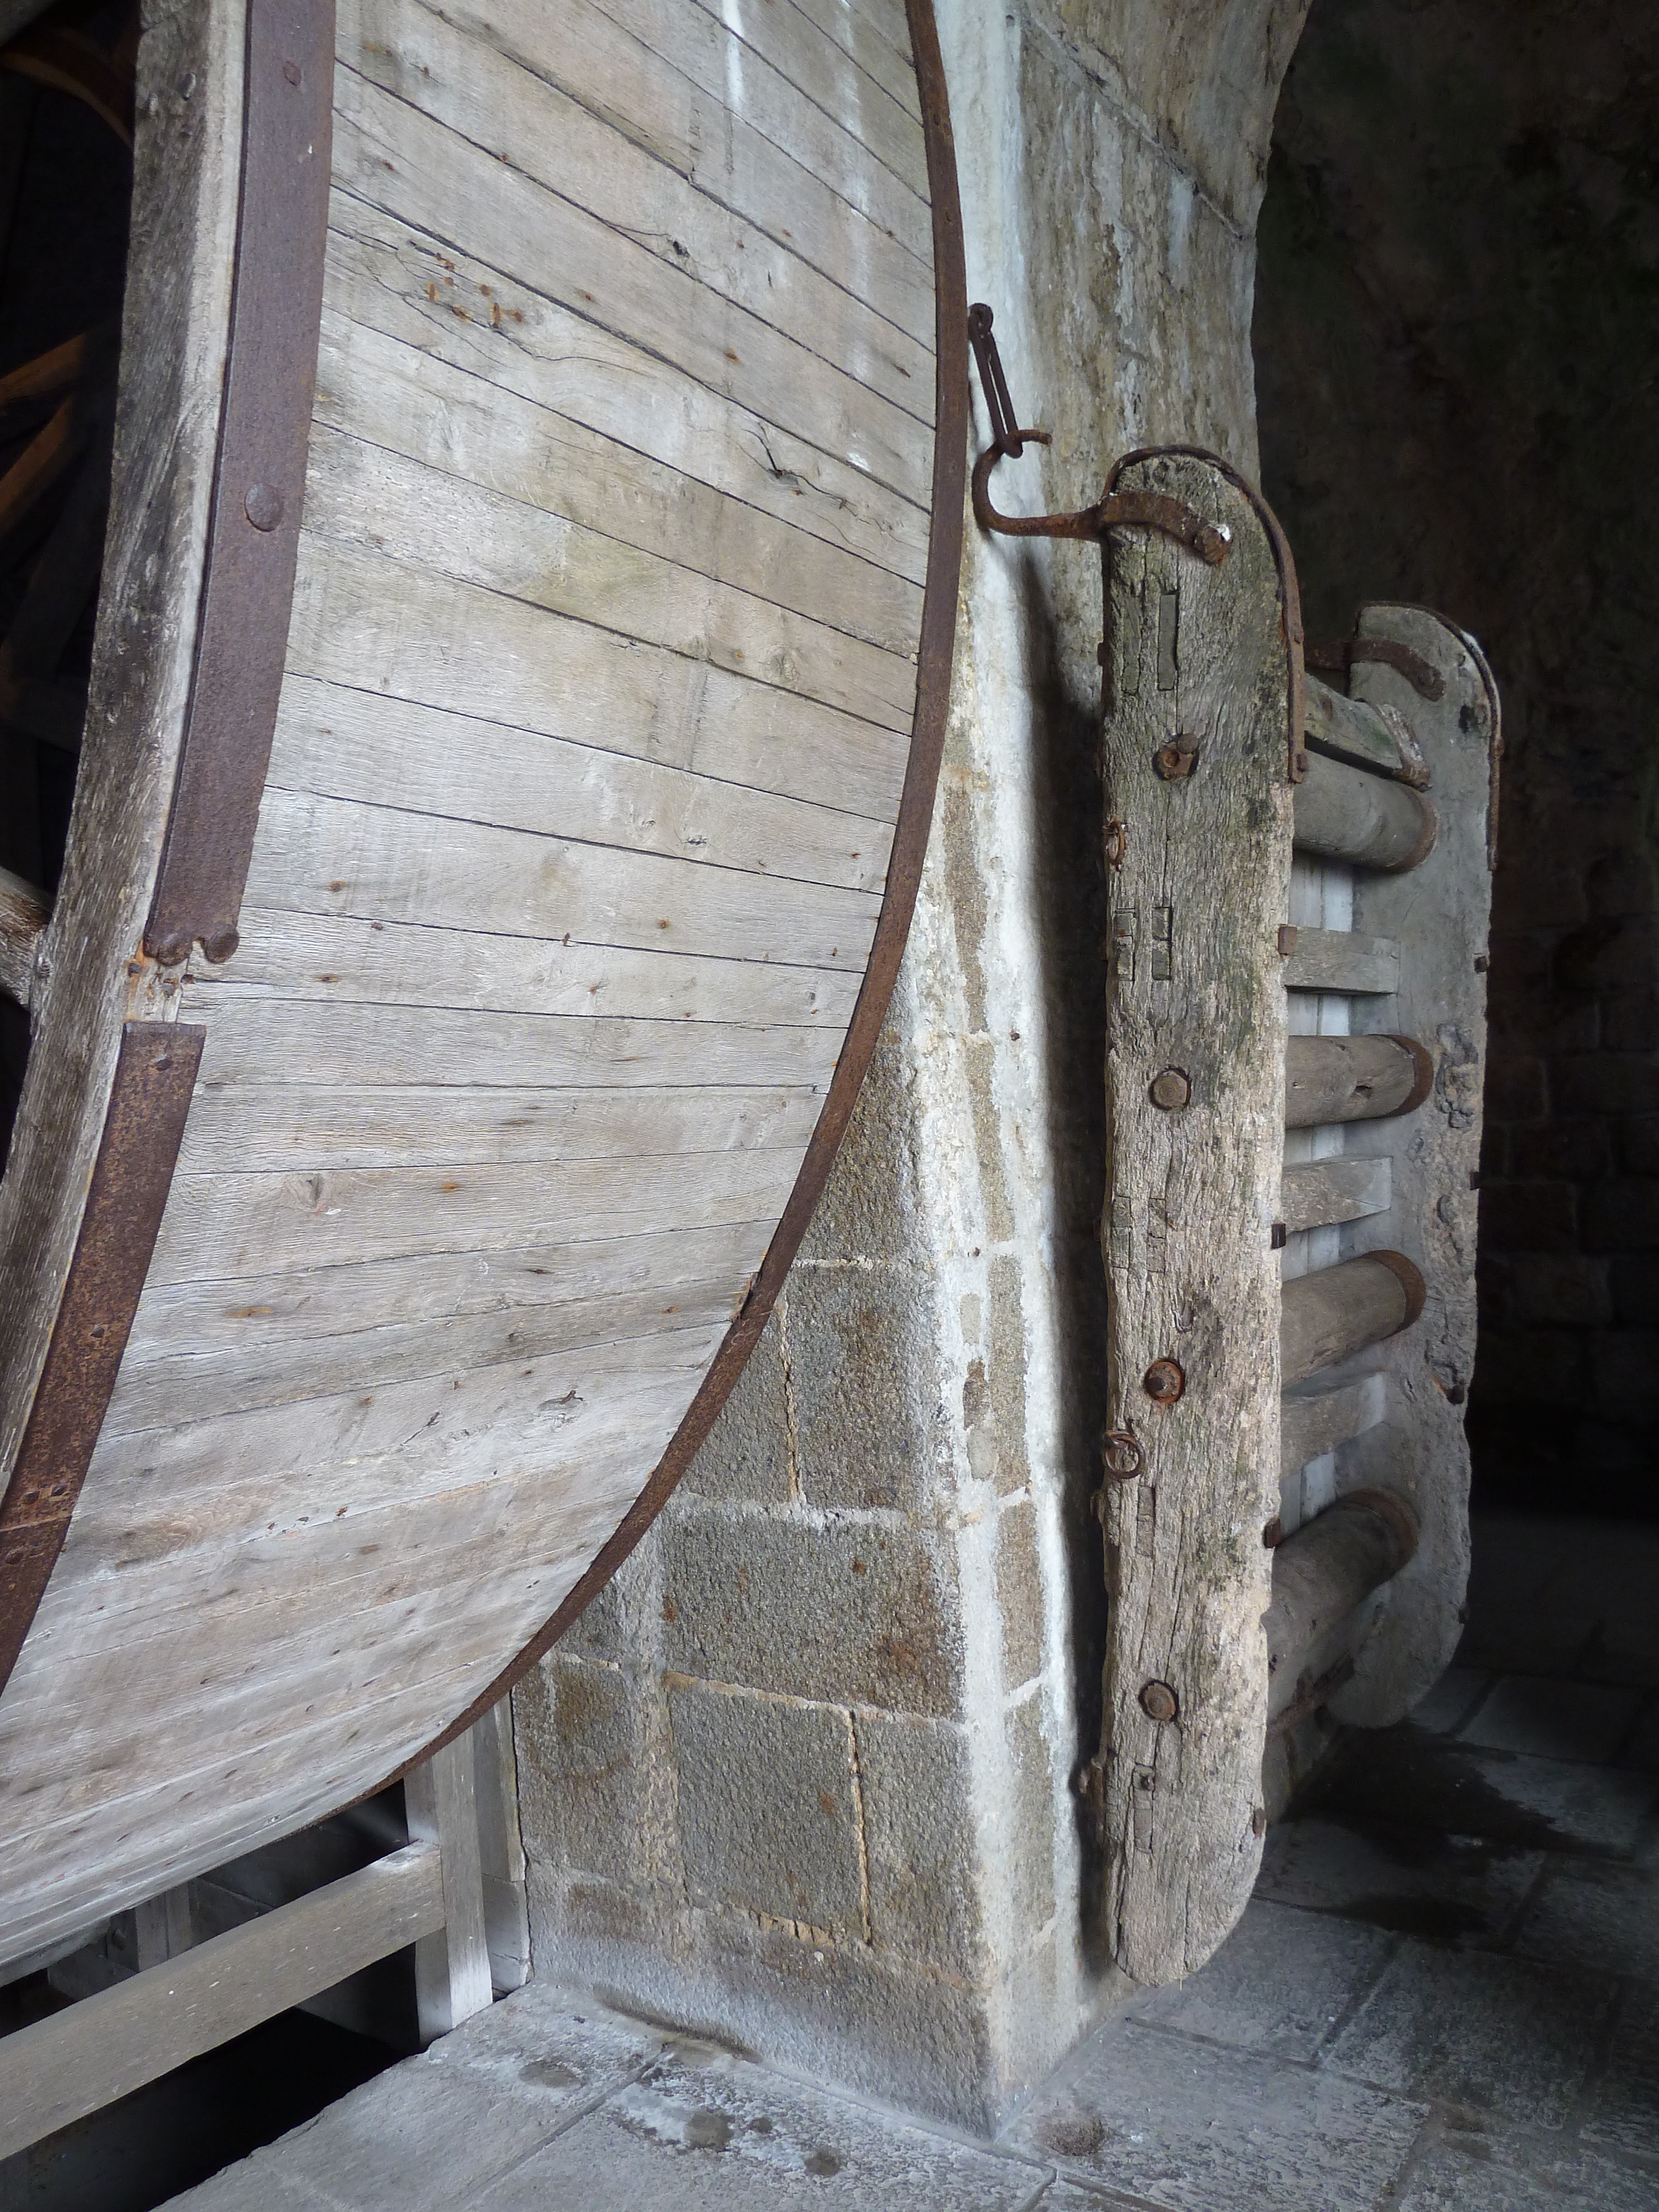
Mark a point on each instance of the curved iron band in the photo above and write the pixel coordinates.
(254, 536)
(149, 1097)
(916, 814)
(1290, 591)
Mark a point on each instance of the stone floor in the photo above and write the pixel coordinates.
(1445, 1995)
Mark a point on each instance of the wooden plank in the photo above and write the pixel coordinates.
(1197, 890)
(1346, 814)
(414, 285)
(399, 394)
(1316, 1415)
(250, 1128)
(198, 1386)
(1342, 960)
(364, 496)
(372, 624)
(452, 1962)
(59, 2069)
(500, 1849)
(1372, 737)
(489, 79)
(341, 958)
(620, 78)
(1334, 1190)
(338, 856)
(336, 742)
(804, 57)
(1353, 1079)
(24, 913)
(255, 1038)
(880, 44)
(408, 165)
(181, 1319)
(230, 1226)
(1321, 1574)
(714, 58)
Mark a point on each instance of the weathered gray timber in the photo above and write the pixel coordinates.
(1440, 915)
(1318, 1192)
(1346, 813)
(1353, 1079)
(1341, 1310)
(24, 913)
(1341, 960)
(1197, 868)
(1323, 1572)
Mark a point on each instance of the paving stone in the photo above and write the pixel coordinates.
(1458, 1789)
(252, 2184)
(1474, 2171)
(766, 1806)
(1471, 2029)
(1450, 1698)
(552, 2041)
(1602, 1919)
(706, 2132)
(1202, 2129)
(1280, 1983)
(1623, 2113)
(1449, 1888)
(1582, 1721)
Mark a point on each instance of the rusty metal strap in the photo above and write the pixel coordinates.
(259, 480)
(1338, 659)
(149, 1098)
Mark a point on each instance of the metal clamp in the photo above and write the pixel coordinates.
(1211, 541)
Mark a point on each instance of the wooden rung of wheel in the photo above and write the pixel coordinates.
(1370, 1335)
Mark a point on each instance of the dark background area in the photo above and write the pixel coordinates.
(1457, 331)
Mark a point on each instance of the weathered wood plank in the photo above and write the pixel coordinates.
(412, 284)
(1372, 737)
(1353, 1079)
(338, 856)
(370, 623)
(1334, 1190)
(452, 1962)
(201, 1385)
(1346, 814)
(336, 742)
(62, 2068)
(492, 85)
(1342, 960)
(716, 59)
(1323, 1572)
(1338, 1311)
(409, 164)
(1198, 880)
(366, 497)
(341, 958)
(255, 1038)
(879, 41)
(1316, 1415)
(229, 1225)
(182, 1319)
(400, 395)
(24, 912)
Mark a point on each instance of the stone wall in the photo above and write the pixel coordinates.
(1457, 319)
(802, 1777)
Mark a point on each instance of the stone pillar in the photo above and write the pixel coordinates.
(802, 1777)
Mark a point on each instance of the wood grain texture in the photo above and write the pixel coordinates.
(609, 727)
(1198, 879)
(1342, 960)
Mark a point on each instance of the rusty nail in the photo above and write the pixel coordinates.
(1157, 1701)
(1482, 963)
(1171, 1089)
(1301, 764)
(1163, 1381)
(1274, 1534)
(1276, 1238)
(1259, 1821)
(1286, 940)
(1176, 759)
(1117, 842)
(1120, 1455)
(263, 505)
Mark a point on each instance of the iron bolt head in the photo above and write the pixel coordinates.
(1163, 1381)
(263, 505)
(1171, 1089)
(1176, 759)
(1158, 1702)
(1120, 1455)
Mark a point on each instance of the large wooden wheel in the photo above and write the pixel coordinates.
(518, 685)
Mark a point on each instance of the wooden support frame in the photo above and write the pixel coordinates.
(188, 1997)
(1292, 1082)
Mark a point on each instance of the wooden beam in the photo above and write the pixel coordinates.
(1340, 960)
(1321, 1192)
(1338, 1311)
(452, 1961)
(1327, 1569)
(1343, 813)
(24, 913)
(1377, 739)
(61, 2068)
(1354, 1078)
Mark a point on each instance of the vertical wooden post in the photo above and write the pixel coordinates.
(165, 1928)
(452, 1964)
(500, 1848)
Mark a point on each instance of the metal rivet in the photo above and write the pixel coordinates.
(1163, 1381)
(1286, 940)
(1171, 1089)
(1120, 1455)
(1276, 1238)
(1158, 1702)
(1176, 759)
(263, 505)
(1274, 1534)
